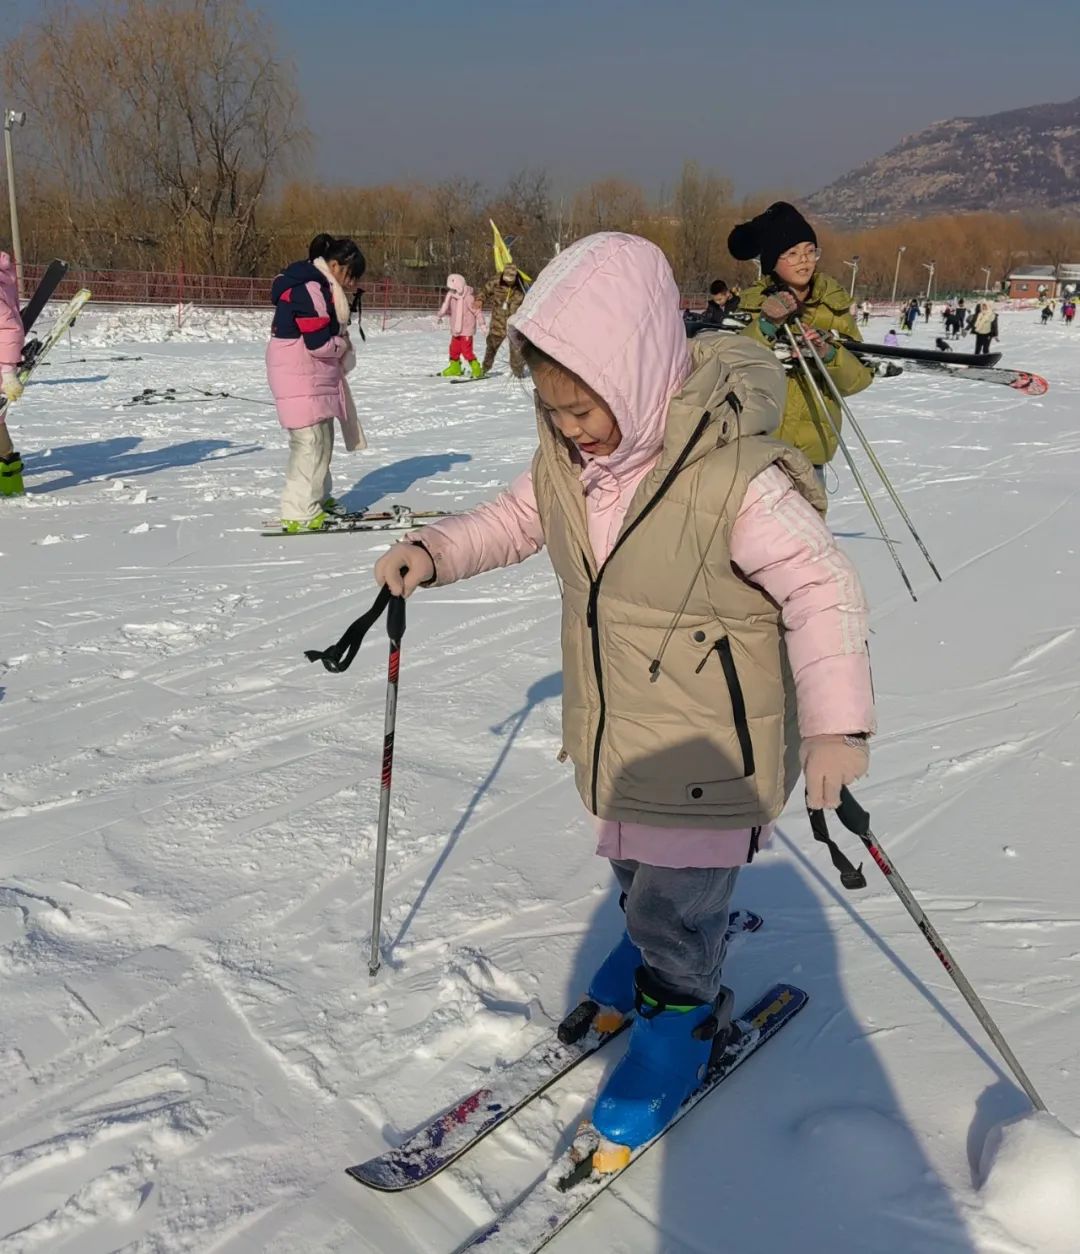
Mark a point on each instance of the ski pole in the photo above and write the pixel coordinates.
(395, 627)
(339, 657)
(857, 821)
(812, 382)
(868, 447)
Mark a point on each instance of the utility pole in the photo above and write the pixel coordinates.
(931, 266)
(854, 264)
(896, 276)
(12, 119)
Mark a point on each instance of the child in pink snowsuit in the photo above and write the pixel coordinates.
(713, 635)
(460, 304)
(11, 347)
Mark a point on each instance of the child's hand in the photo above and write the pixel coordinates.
(778, 307)
(829, 764)
(417, 564)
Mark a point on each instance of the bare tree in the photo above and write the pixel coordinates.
(163, 121)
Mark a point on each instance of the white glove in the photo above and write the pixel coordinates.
(420, 569)
(12, 388)
(829, 764)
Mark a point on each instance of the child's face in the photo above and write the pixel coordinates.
(796, 267)
(576, 411)
(348, 283)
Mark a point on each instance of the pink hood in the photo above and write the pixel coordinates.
(607, 308)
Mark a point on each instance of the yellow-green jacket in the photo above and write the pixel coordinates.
(827, 308)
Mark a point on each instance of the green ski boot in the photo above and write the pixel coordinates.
(452, 371)
(476, 368)
(11, 472)
(292, 527)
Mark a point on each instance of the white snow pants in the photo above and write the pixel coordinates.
(307, 476)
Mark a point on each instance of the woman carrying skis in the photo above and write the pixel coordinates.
(461, 305)
(790, 287)
(713, 634)
(307, 359)
(11, 347)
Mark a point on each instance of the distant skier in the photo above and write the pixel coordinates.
(891, 338)
(730, 551)
(985, 326)
(11, 347)
(1068, 310)
(503, 294)
(928, 309)
(865, 310)
(1047, 313)
(911, 315)
(790, 286)
(307, 359)
(461, 305)
(960, 319)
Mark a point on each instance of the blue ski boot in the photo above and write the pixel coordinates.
(610, 997)
(612, 987)
(671, 1045)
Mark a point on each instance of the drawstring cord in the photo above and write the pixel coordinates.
(655, 664)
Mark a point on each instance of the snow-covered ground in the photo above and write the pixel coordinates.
(190, 1048)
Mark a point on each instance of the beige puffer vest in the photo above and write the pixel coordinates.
(678, 702)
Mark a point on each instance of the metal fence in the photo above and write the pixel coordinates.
(382, 295)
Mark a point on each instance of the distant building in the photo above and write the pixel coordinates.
(1030, 282)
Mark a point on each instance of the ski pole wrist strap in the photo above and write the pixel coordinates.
(339, 657)
(851, 876)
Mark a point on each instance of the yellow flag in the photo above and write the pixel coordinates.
(503, 257)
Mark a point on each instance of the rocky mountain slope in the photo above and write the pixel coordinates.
(1023, 159)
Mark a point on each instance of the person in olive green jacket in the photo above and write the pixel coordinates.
(789, 288)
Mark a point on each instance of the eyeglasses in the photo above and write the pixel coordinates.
(804, 252)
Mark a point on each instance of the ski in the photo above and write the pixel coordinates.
(571, 1185)
(35, 351)
(1022, 381)
(445, 1138)
(901, 352)
(42, 294)
(397, 518)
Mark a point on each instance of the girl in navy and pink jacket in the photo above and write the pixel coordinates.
(307, 359)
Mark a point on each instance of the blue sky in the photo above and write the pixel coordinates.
(774, 93)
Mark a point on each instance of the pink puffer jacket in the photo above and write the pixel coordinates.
(11, 327)
(459, 305)
(307, 383)
(778, 541)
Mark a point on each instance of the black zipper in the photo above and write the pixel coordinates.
(592, 614)
(755, 839)
(722, 648)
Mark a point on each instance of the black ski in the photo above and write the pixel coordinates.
(902, 353)
(50, 281)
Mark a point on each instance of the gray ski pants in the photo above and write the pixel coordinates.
(678, 918)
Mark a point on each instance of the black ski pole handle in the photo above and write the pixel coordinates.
(852, 815)
(339, 657)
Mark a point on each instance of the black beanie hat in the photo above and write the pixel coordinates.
(771, 233)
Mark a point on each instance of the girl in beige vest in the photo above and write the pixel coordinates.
(714, 637)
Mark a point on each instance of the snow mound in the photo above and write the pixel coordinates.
(879, 1155)
(1029, 1175)
(154, 324)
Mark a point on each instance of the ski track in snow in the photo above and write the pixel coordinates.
(191, 1049)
